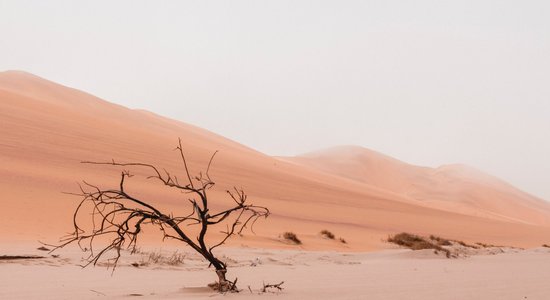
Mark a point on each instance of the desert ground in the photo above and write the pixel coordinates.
(387, 274)
(360, 195)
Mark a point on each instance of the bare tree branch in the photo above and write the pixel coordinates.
(118, 216)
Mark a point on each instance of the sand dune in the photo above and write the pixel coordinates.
(452, 187)
(47, 129)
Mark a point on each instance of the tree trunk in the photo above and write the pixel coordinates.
(224, 285)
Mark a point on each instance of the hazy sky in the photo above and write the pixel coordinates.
(428, 82)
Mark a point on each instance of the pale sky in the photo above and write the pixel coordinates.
(427, 82)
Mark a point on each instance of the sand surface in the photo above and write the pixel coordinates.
(389, 274)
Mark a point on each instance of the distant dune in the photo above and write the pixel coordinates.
(452, 187)
(46, 129)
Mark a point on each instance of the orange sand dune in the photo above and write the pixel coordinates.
(46, 129)
(452, 187)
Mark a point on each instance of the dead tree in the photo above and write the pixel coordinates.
(118, 217)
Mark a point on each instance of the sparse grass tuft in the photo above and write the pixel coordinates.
(416, 242)
(327, 234)
(157, 258)
(291, 236)
(342, 241)
(546, 245)
(176, 259)
(154, 257)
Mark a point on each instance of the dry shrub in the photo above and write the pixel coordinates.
(465, 244)
(447, 242)
(327, 234)
(291, 236)
(489, 245)
(546, 245)
(14, 257)
(441, 241)
(157, 258)
(342, 241)
(266, 288)
(416, 242)
(176, 259)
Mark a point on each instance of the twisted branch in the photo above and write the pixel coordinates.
(119, 216)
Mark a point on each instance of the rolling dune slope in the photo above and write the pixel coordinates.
(46, 129)
(452, 187)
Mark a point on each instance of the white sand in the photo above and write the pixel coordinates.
(390, 274)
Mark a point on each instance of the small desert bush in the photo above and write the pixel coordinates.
(465, 244)
(440, 241)
(157, 258)
(484, 245)
(416, 242)
(446, 242)
(291, 236)
(411, 241)
(327, 234)
(342, 241)
(546, 245)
